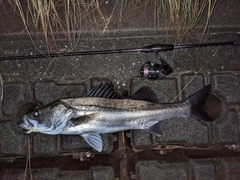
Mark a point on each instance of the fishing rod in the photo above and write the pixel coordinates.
(152, 48)
(149, 69)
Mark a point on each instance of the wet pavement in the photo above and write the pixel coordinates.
(189, 149)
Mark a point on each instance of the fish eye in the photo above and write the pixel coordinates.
(36, 113)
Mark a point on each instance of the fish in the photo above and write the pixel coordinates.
(103, 110)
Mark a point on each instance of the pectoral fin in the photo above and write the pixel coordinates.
(155, 129)
(94, 140)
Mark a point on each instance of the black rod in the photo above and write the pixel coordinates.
(205, 45)
(51, 55)
(146, 49)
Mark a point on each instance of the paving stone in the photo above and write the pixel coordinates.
(164, 171)
(202, 169)
(189, 132)
(141, 139)
(225, 129)
(95, 173)
(102, 173)
(192, 82)
(73, 142)
(14, 95)
(98, 173)
(45, 174)
(12, 174)
(228, 168)
(12, 141)
(46, 92)
(220, 17)
(45, 145)
(227, 86)
(75, 175)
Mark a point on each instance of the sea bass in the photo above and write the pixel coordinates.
(102, 110)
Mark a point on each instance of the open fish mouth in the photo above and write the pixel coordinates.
(28, 124)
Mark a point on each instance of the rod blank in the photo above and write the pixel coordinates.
(146, 49)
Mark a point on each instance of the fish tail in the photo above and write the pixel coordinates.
(197, 101)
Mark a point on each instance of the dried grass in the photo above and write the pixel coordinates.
(185, 14)
(53, 17)
(28, 168)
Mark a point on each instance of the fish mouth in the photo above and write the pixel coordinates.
(28, 124)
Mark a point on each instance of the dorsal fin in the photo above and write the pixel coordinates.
(104, 90)
(146, 94)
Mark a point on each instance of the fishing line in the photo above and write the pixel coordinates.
(194, 76)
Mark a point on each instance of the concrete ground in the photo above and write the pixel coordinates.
(189, 149)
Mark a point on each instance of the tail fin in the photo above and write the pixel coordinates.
(197, 101)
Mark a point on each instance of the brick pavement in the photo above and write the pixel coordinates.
(44, 81)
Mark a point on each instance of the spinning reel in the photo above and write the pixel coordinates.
(153, 70)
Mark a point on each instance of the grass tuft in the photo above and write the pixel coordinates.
(54, 17)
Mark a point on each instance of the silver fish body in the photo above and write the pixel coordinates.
(112, 115)
(91, 116)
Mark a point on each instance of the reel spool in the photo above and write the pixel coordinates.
(153, 70)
